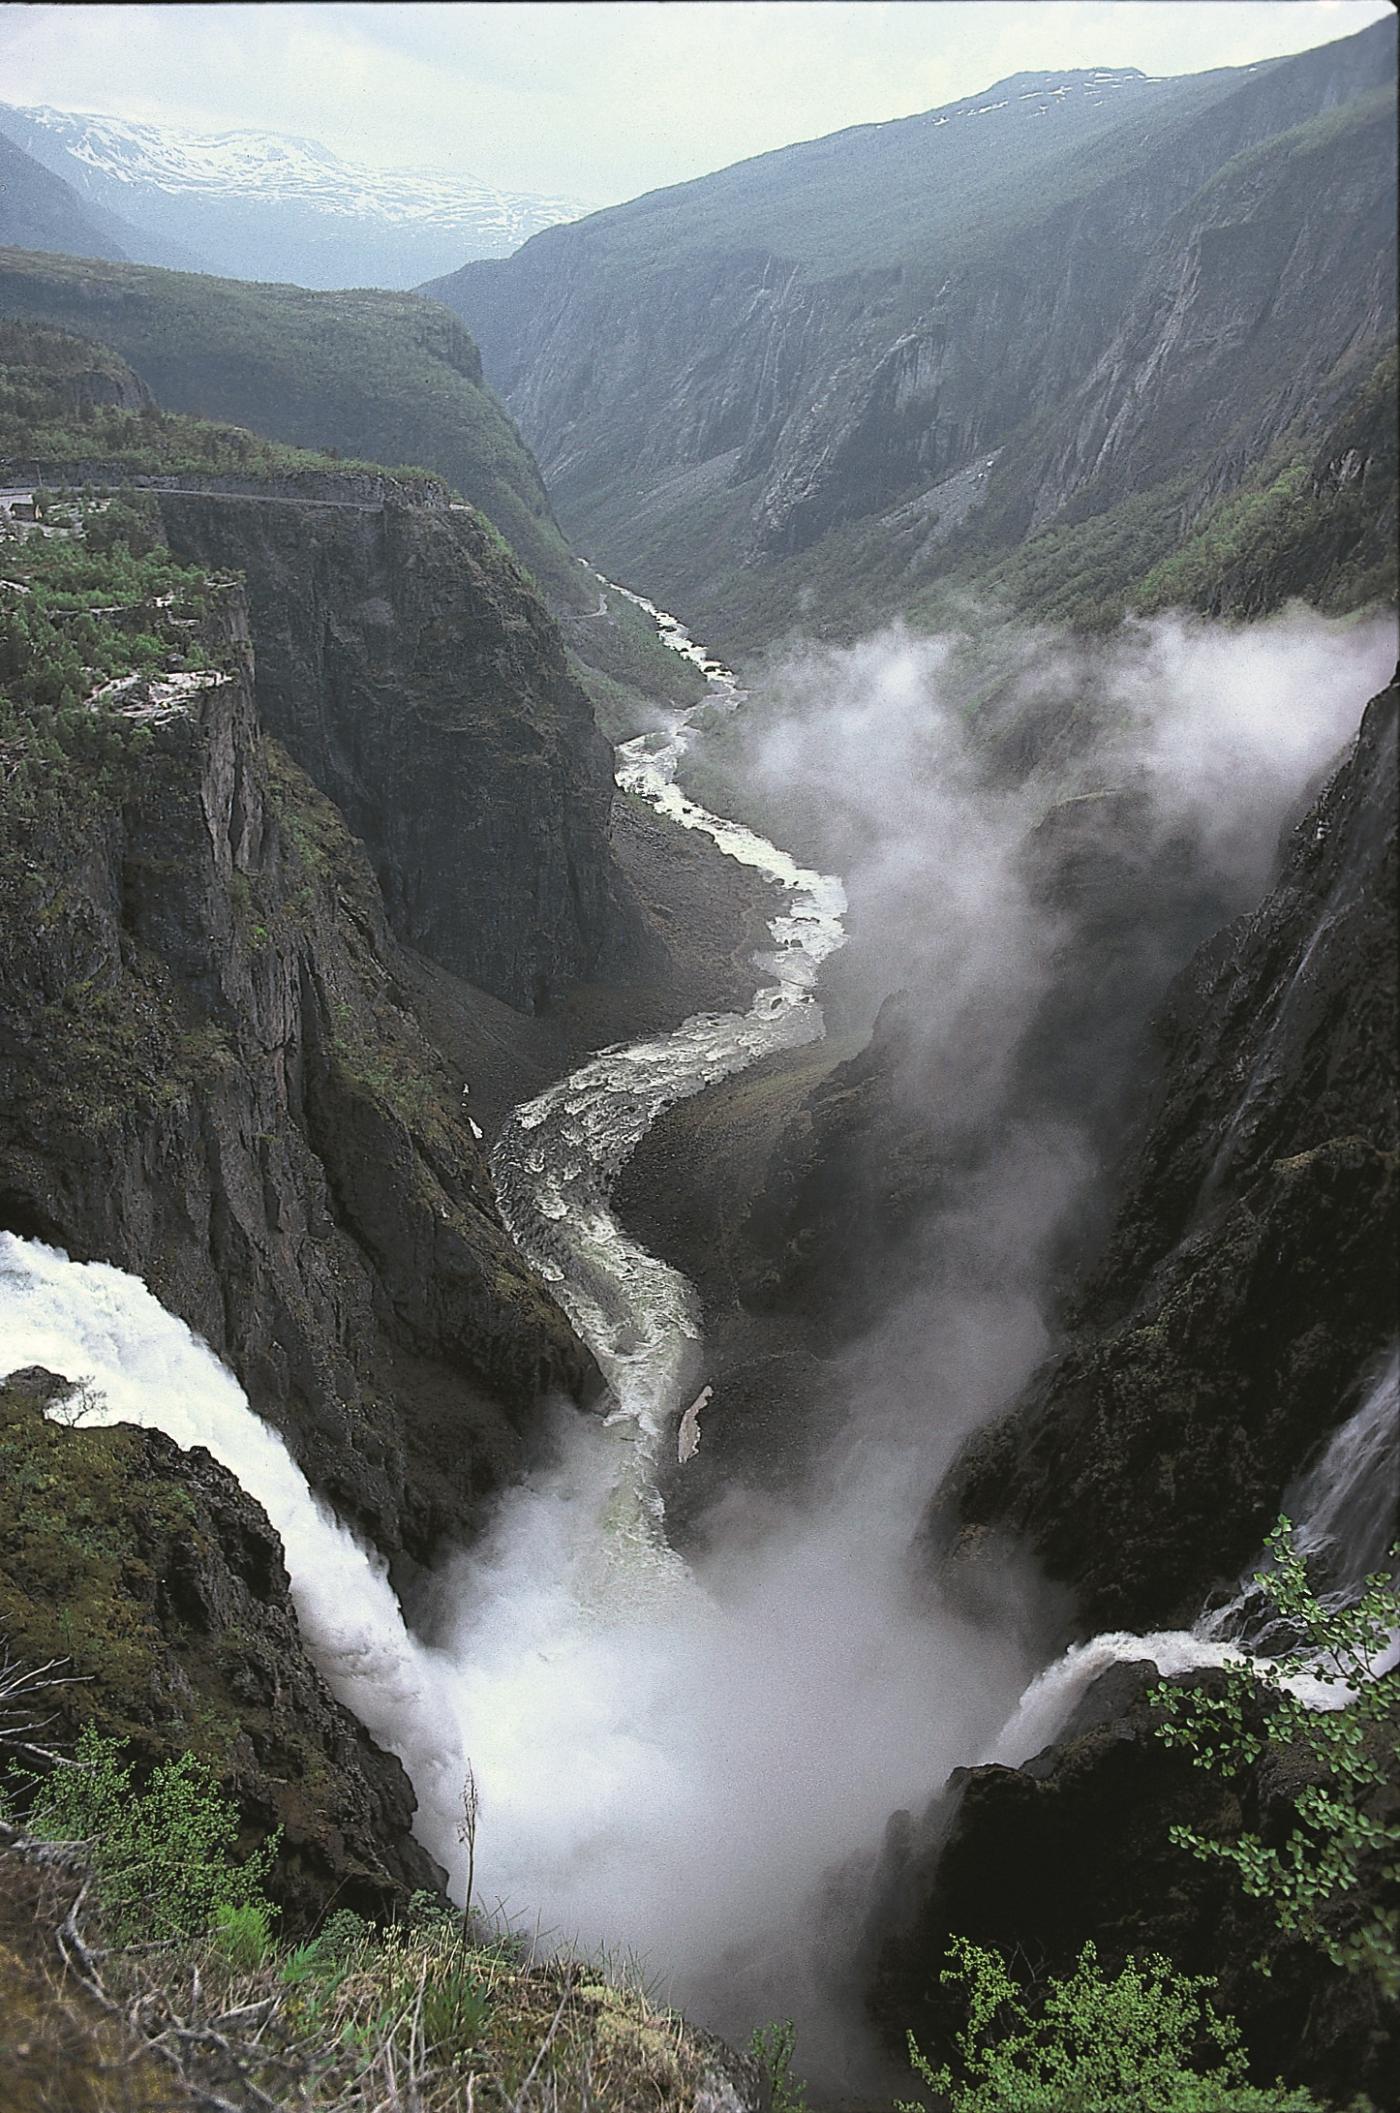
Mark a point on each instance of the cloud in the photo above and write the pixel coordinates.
(605, 100)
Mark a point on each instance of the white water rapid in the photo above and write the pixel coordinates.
(557, 1157)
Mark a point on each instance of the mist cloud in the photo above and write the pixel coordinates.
(678, 1762)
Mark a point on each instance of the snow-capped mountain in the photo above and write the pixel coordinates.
(260, 205)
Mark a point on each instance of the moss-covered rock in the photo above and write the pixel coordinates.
(159, 1590)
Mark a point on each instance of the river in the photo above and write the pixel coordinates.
(558, 1155)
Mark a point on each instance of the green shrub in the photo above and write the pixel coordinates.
(244, 1934)
(163, 1857)
(1144, 2041)
(772, 2048)
(1340, 1828)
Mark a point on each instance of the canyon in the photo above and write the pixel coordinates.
(745, 1253)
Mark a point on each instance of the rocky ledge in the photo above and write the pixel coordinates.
(160, 1590)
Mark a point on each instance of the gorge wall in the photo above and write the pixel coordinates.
(410, 669)
(1075, 301)
(1247, 1283)
(212, 1077)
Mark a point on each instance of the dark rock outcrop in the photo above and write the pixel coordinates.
(412, 672)
(210, 1075)
(1250, 1277)
(1073, 1845)
(159, 1588)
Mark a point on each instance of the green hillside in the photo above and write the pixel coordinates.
(909, 194)
(380, 377)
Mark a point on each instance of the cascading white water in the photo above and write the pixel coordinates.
(1344, 1515)
(98, 1325)
(1346, 1506)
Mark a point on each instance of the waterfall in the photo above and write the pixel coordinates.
(98, 1326)
(1344, 1515)
(1345, 1507)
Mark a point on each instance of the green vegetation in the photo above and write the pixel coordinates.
(67, 399)
(80, 611)
(358, 2018)
(1148, 2039)
(160, 1920)
(1321, 525)
(92, 1529)
(314, 384)
(163, 1856)
(72, 617)
(1314, 517)
(1341, 1828)
(378, 377)
(1145, 2040)
(772, 2048)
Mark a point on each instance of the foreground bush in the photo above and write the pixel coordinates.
(1145, 2040)
(164, 1858)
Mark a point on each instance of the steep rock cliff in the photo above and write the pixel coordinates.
(1249, 1279)
(707, 376)
(1253, 296)
(412, 672)
(209, 1075)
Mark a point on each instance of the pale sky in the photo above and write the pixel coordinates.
(602, 101)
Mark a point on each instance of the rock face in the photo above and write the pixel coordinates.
(409, 668)
(210, 1076)
(1250, 298)
(1088, 281)
(1249, 1280)
(1035, 1860)
(161, 1586)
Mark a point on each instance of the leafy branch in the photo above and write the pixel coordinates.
(1343, 1826)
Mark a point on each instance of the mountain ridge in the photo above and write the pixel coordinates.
(262, 204)
(719, 379)
(38, 210)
